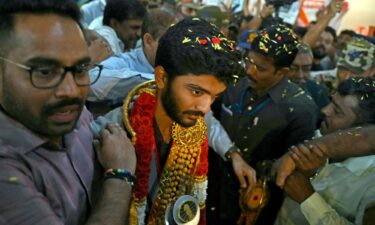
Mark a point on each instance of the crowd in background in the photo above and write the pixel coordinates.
(287, 113)
(129, 32)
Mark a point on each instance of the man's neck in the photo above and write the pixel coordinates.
(163, 121)
(55, 141)
(258, 94)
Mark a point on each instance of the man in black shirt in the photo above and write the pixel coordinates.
(264, 114)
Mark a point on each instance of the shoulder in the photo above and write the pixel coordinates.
(118, 61)
(296, 96)
(234, 91)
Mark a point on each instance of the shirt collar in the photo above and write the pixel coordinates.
(148, 66)
(12, 131)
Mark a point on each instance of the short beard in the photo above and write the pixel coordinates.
(170, 105)
(319, 52)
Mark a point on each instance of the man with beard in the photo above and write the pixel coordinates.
(341, 192)
(324, 47)
(121, 25)
(48, 169)
(264, 114)
(320, 37)
(194, 63)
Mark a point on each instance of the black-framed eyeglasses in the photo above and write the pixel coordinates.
(45, 77)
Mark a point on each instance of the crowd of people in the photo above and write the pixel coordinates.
(183, 112)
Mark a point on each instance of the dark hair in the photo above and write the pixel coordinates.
(277, 42)
(364, 89)
(351, 33)
(156, 22)
(123, 10)
(331, 31)
(66, 8)
(304, 48)
(300, 31)
(196, 46)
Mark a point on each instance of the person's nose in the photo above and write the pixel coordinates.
(68, 87)
(204, 105)
(251, 70)
(138, 32)
(327, 110)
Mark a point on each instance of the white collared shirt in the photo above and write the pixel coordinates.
(343, 192)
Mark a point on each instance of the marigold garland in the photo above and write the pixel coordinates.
(141, 120)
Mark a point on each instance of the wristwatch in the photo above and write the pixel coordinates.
(230, 151)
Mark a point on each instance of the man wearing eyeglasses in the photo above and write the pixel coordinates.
(299, 73)
(49, 173)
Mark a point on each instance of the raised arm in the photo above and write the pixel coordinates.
(313, 33)
(352, 142)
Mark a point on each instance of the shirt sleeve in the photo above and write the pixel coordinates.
(218, 139)
(114, 116)
(318, 212)
(20, 201)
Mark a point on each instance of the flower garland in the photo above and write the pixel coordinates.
(141, 119)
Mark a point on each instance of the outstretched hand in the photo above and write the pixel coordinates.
(304, 157)
(308, 158)
(245, 173)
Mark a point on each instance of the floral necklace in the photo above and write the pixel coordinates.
(187, 160)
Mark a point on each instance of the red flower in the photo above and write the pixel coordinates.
(142, 115)
(141, 119)
(202, 41)
(215, 40)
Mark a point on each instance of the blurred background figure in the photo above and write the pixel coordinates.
(121, 24)
(299, 73)
(92, 10)
(188, 8)
(216, 16)
(99, 48)
(355, 59)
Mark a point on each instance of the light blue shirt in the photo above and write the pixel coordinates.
(218, 138)
(92, 10)
(121, 73)
(343, 192)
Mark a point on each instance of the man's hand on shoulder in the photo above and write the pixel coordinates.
(114, 149)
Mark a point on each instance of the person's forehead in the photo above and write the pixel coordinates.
(208, 82)
(135, 21)
(303, 58)
(48, 34)
(259, 58)
(347, 101)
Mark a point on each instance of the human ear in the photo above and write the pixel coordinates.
(148, 40)
(161, 78)
(282, 71)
